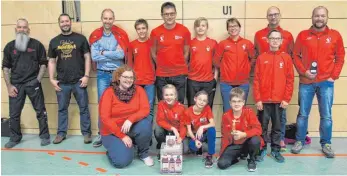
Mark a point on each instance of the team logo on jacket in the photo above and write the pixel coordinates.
(194, 48)
(135, 51)
(176, 116)
(281, 64)
(177, 37)
(309, 38)
(328, 40)
(208, 48)
(264, 38)
(227, 47)
(30, 50)
(203, 119)
(266, 62)
(161, 38)
(244, 46)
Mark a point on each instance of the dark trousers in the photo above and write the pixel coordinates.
(81, 96)
(160, 135)
(121, 156)
(195, 86)
(34, 91)
(178, 81)
(274, 112)
(251, 146)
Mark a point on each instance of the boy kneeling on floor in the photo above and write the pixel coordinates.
(241, 132)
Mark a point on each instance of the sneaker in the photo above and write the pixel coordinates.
(58, 139)
(297, 147)
(328, 152)
(87, 139)
(97, 141)
(45, 142)
(252, 166)
(158, 157)
(199, 152)
(208, 161)
(148, 161)
(277, 156)
(262, 154)
(10, 144)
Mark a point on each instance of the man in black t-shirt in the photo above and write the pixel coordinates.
(24, 65)
(69, 53)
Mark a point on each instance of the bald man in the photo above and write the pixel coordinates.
(318, 57)
(24, 65)
(109, 46)
(261, 44)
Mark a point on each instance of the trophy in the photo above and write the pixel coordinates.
(313, 69)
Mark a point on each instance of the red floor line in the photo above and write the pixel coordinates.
(51, 153)
(103, 153)
(101, 170)
(66, 158)
(83, 163)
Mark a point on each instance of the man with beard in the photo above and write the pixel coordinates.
(318, 57)
(24, 65)
(109, 45)
(261, 44)
(69, 54)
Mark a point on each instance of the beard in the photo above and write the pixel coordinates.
(65, 30)
(321, 26)
(21, 42)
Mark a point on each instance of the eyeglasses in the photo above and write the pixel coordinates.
(275, 39)
(169, 14)
(274, 15)
(128, 77)
(234, 26)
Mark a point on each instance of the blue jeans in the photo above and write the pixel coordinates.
(104, 80)
(121, 156)
(325, 96)
(209, 136)
(225, 91)
(150, 91)
(81, 96)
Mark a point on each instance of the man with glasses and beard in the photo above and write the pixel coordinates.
(318, 57)
(69, 53)
(24, 65)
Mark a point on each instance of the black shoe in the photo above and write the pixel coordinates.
(252, 166)
(10, 144)
(277, 156)
(208, 161)
(199, 152)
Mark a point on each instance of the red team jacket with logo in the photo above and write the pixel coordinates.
(326, 48)
(120, 35)
(247, 122)
(200, 62)
(139, 58)
(196, 121)
(172, 116)
(273, 77)
(261, 44)
(234, 60)
(170, 50)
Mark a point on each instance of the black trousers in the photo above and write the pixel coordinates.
(178, 81)
(160, 135)
(251, 147)
(34, 91)
(271, 111)
(195, 86)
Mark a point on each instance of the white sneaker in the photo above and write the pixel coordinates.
(148, 161)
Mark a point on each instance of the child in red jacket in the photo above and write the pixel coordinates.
(273, 89)
(201, 127)
(241, 132)
(170, 118)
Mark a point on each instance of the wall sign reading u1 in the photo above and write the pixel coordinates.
(227, 10)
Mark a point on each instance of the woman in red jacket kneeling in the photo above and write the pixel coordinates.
(123, 111)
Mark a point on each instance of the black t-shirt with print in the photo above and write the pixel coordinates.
(70, 50)
(24, 66)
